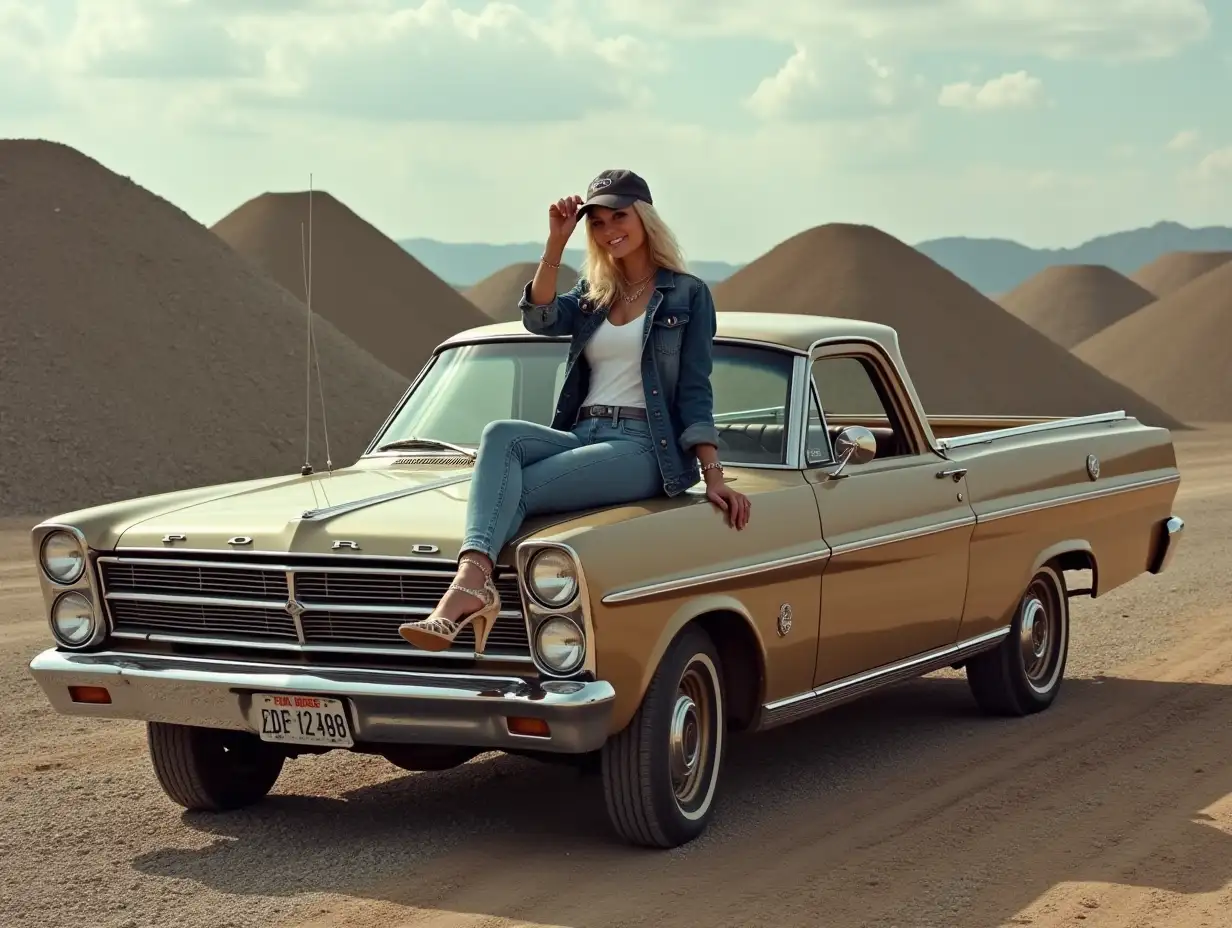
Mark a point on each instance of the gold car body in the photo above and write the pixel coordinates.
(847, 577)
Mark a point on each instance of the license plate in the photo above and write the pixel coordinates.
(292, 719)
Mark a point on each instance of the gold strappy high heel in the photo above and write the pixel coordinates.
(437, 632)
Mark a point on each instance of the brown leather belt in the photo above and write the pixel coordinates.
(615, 413)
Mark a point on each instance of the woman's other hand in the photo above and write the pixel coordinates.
(732, 502)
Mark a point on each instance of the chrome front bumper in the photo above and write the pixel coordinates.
(391, 707)
(1170, 531)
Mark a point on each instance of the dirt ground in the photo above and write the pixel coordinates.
(907, 809)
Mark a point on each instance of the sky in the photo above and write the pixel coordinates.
(1045, 121)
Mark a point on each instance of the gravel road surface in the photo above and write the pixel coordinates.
(906, 809)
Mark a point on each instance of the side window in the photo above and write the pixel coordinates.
(852, 392)
(751, 389)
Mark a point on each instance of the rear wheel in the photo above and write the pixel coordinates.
(661, 773)
(1024, 673)
(212, 769)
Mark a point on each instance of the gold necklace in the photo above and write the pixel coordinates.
(640, 290)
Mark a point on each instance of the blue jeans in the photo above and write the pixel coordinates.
(524, 468)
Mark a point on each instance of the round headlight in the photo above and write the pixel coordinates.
(72, 619)
(560, 644)
(552, 577)
(63, 559)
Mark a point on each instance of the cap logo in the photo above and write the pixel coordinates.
(599, 183)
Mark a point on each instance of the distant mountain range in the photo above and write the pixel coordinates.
(991, 265)
(465, 263)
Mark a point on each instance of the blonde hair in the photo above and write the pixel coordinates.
(603, 278)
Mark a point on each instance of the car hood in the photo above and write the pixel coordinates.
(365, 510)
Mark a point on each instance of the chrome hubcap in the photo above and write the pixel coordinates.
(685, 738)
(691, 736)
(1036, 640)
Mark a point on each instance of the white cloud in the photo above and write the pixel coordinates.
(776, 94)
(833, 84)
(1015, 90)
(432, 60)
(1217, 165)
(1183, 140)
(1056, 28)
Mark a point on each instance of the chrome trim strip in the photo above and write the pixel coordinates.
(279, 606)
(983, 438)
(668, 586)
(320, 515)
(802, 705)
(905, 535)
(218, 557)
(275, 567)
(1083, 497)
(793, 560)
(407, 707)
(714, 576)
(293, 648)
(169, 599)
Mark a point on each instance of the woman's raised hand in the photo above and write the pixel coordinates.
(563, 217)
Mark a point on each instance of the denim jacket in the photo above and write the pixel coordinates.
(678, 329)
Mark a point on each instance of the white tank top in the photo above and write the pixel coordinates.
(614, 353)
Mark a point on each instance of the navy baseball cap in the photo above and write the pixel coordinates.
(615, 189)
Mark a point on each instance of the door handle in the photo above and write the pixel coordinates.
(957, 473)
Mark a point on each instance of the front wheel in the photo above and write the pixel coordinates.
(212, 769)
(1024, 673)
(660, 774)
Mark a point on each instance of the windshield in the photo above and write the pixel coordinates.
(470, 385)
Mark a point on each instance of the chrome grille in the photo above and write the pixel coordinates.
(244, 603)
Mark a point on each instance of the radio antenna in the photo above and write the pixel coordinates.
(312, 357)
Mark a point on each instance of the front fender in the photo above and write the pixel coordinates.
(628, 698)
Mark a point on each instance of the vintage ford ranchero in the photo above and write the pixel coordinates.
(255, 621)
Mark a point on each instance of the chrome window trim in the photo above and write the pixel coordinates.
(797, 412)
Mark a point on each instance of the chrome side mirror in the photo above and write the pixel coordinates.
(853, 445)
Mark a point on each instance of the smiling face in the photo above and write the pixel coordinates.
(619, 232)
